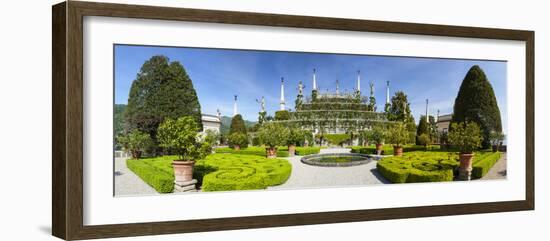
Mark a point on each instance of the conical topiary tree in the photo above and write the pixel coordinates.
(422, 128)
(162, 89)
(476, 102)
(237, 125)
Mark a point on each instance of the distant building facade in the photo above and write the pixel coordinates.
(443, 122)
(211, 122)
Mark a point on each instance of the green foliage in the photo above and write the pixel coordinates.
(237, 125)
(476, 102)
(388, 149)
(304, 151)
(161, 90)
(399, 108)
(375, 135)
(238, 139)
(243, 172)
(483, 163)
(181, 136)
(337, 139)
(118, 119)
(282, 115)
(419, 167)
(496, 138)
(136, 142)
(296, 137)
(422, 128)
(423, 139)
(273, 134)
(399, 135)
(282, 151)
(211, 136)
(156, 172)
(466, 136)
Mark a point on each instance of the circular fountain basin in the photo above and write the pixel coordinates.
(337, 159)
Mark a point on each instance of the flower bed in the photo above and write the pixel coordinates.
(421, 166)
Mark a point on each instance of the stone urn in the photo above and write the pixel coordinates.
(465, 168)
(183, 171)
(397, 150)
(271, 152)
(291, 150)
(378, 149)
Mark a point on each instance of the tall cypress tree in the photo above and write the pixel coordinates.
(237, 125)
(162, 89)
(476, 101)
(422, 128)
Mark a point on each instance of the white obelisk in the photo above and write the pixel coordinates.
(282, 94)
(427, 117)
(314, 81)
(387, 92)
(235, 106)
(358, 80)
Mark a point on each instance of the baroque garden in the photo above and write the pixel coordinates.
(329, 138)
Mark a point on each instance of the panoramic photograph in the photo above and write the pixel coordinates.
(191, 120)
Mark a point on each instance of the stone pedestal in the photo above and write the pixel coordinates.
(188, 186)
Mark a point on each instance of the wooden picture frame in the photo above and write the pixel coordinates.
(67, 123)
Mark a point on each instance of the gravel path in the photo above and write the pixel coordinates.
(498, 171)
(127, 183)
(307, 176)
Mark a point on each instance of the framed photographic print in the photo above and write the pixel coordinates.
(170, 120)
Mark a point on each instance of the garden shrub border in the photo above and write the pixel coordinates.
(482, 166)
(155, 177)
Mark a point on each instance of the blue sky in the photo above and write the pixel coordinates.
(218, 74)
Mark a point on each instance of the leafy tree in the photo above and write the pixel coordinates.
(476, 102)
(161, 90)
(237, 125)
(296, 137)
(118, 121)
(399, 110)
(282, 115)
(273, 134)
(181, 136)
(398, 135)
(423, 139)
(262, 117)
(136, 142)
(376, 135)
(421, 129)
(238, 139)
(496, 138)
(466, 136)
(372, 103)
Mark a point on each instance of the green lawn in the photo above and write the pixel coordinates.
(217, 172)
(432, 166)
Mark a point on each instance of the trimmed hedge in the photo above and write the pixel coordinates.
(304, 151)
(438, 166)
(484, 163)
(388, 149)
(253, 150)
(154, 172)
(242, 172)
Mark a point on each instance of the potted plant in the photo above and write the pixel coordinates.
(238, 140)
(376, 135)
(181, 136)
(398, 135)
(496, 138)
(466, 136)
(273, 135)
(135, 143)
(295, 137)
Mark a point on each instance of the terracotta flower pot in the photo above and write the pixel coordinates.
(271, 152)
(292, 150)
(236, 147)
(465, 169)
(378, 149)
(397, 150)
(183, 170)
